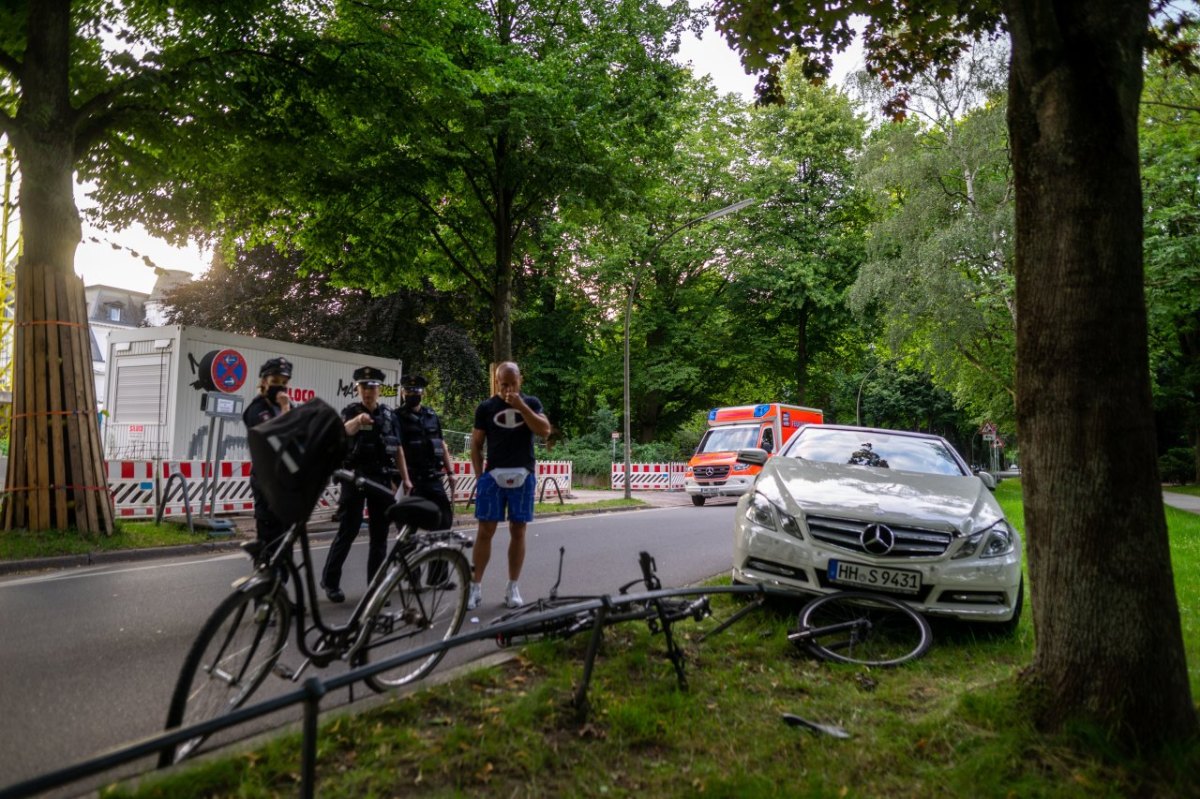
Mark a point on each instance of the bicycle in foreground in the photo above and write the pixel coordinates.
(418, 597)
(856, 627)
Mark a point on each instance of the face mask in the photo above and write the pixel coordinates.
(412, 400)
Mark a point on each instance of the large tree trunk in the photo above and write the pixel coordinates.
(1109, 647)
(56, 477)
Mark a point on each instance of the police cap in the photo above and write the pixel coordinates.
(415, 381)
(368, 375)
(276, 366)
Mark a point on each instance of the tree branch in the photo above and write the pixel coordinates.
(1176, 106)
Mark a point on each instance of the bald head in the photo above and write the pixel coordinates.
(508, 378)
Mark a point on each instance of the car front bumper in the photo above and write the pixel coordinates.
(969, 589)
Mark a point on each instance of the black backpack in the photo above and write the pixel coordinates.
(293, 456)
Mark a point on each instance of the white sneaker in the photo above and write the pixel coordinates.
(512, 595)
(475, 597)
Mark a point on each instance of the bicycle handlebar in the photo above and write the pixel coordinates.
(355, 479)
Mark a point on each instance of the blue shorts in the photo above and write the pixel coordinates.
(491, 500)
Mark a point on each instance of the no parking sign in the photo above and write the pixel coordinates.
(222, 370)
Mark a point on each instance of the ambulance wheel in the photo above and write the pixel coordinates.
(697, 500)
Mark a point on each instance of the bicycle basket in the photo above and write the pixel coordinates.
(293, 456)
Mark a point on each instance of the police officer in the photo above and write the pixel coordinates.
(272, 401)
(424, 449)
(376, 454)
(428, 459)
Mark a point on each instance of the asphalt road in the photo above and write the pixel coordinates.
(90, 655)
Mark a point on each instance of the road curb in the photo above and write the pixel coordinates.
(233, 542)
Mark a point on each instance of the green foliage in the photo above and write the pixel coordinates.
(1178, 465)
(801, 248)
(1170, 152)
(457, 375)
(939, 279)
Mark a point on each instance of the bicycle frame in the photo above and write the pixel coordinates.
(342, 641)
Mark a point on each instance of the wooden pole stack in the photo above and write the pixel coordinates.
(56, 474)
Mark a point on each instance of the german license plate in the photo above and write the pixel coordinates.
(902, 581)
(708, 492)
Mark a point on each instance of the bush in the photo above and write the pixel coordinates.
(1178, 465)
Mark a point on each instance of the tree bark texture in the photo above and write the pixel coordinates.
(56, 476)
(1109, 645)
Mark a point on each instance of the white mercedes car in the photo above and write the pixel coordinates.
(900, 513)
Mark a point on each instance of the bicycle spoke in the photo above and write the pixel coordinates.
(419, 614)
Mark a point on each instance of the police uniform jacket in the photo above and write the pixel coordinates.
(424, 449)
(373, 452)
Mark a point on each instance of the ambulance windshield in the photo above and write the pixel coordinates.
(729, 439)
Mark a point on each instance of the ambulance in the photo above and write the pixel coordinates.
(714, 471)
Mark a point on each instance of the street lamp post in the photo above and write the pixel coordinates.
(863, 382)
(720, 212)
(858, 403)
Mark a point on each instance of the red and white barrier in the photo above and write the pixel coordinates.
(649, 476)
(132, 485)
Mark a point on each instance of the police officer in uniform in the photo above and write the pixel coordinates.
(272, 401)
(424, 449)
(376, 454)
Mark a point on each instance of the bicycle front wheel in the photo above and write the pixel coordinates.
(863, 628)
(236, 649)
(423, 606)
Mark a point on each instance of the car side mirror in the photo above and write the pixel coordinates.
(754, 456)
(988, 479)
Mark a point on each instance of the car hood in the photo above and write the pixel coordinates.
(956, 504)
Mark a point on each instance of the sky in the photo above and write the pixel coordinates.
(116, 258)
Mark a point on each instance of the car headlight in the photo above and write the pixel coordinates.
(990, 542)
(741, 467)
(763, 512)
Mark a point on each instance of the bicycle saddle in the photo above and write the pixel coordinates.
(416, 511)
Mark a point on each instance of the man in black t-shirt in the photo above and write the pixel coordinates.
(272, 400)
(376, 454)
(507, 423)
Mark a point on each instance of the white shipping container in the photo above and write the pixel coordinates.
(155, 377)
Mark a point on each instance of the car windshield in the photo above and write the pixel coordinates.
(874, 448)
(728, 439)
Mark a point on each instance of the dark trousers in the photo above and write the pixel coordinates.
(352, 517)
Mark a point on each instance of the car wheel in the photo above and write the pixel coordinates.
(697, 500)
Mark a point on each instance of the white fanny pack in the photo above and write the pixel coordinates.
(510, 477)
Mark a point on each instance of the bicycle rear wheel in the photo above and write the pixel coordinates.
(862, 628)
(418, 615)
(234, 652)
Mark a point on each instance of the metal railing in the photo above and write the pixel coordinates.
(315, 688)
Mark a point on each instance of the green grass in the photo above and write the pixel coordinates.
(23, 544)
(553, 506)
(949, 725)
(1194, 490)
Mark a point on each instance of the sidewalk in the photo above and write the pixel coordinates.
(322, 527)
(1182, 501)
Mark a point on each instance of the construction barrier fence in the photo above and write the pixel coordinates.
(137, 485)
(649, 476)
